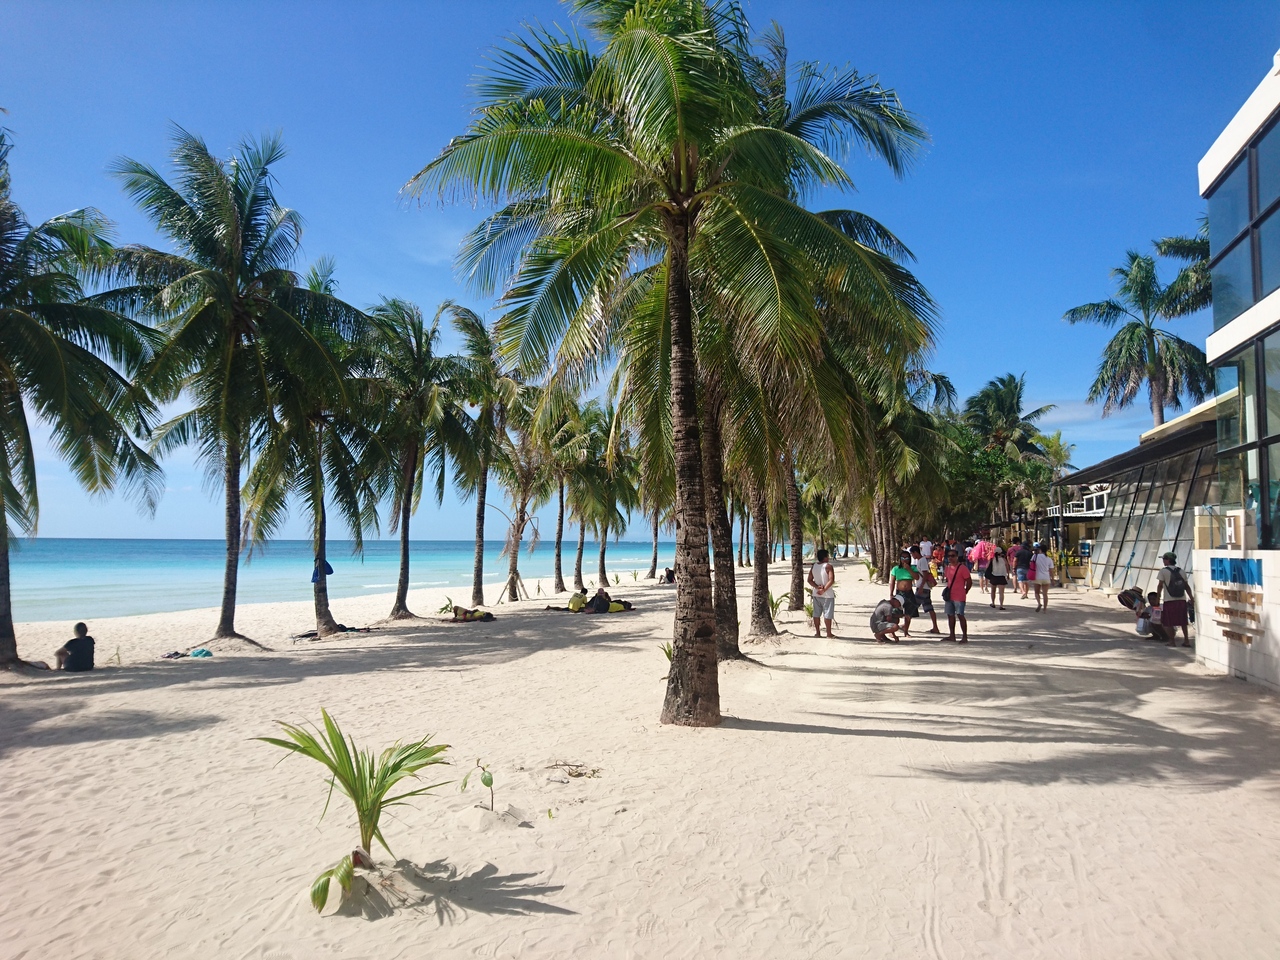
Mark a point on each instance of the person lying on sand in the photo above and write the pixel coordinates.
(576, 603)
(463, 615)
(884, 619)
(77, 653)
(603, 603)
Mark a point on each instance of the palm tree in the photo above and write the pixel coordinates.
(520, 464)
(565, 448)
(490, 388)
(652, 150)
(1141, 352)
(64, 359)
(1057, 457)
(231, 306)
(423, 421)
(318, 451)
(996, 413)
(1192, 289)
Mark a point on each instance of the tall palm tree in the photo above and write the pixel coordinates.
(318, 451)
(996, 413)
(231, 305)
(66, 360)
(1141, 352)
(521, 467)
(652, 150)
(491, 389)
(560, 431)
(423, 423)
(1057, 457)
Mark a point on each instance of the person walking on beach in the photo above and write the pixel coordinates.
(998, 575)
(902, 580)
(926, 549)
(924, 586)
(1172, 593)
(1041, 577)
(1021, 564)
(822, 578)
(884, 619)
(77, 653)
(956, 580)
(981, 555)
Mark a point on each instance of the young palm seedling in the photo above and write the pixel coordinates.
(447, 606)
(486, 780)
(367, 780)
(776, 604)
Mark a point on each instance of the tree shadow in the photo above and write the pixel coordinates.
(44, 724)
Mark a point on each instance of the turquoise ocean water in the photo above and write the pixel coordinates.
(65, 579)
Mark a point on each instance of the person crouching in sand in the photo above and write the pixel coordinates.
(884, 619)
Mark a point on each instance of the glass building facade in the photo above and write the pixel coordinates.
(1244, 227)
(1151, 510)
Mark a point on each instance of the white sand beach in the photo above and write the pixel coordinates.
(1057, 788)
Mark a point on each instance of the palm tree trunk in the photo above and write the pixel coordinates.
(578, 585)
(761, 616)
(8, 637)
(725, 591)
(693, 683)
(602, 576)
(1155, 378)
(325, 624)
(513, 564)
(231, 529)
(477, 567)
(742, 537)
(797, 535)
(559, 585)
(400, 609)
(653, 564)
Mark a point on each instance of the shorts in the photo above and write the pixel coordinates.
(954, 608)
(1173, 613)
(999, 581)
(909, 606)
(925, 600)
(1024, 574)
(881, 626)
(824, 607)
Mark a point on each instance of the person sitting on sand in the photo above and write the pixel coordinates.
(884, 619)
(463, 615)
(77, 653)
(599, 603)
(668, 576)
(575, 605)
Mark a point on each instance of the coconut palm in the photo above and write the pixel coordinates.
(423, 422)
(521, 466)
(65, 360)
(651, 150)
(490, 389)
(1141, 352)
(232, 307)
(317, 451)
(996, 413)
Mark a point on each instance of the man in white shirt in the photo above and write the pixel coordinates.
(926, 549)
(822, 578)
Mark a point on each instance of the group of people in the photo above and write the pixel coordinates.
(922, 566)
(1162, 611)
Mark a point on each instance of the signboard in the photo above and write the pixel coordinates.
(1237, 597)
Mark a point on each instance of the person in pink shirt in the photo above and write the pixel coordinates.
(981, 555)
(956, 580)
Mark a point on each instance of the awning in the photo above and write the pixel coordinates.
(1192, 437)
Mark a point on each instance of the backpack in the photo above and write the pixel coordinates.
(1177, 585)
(1129, 599)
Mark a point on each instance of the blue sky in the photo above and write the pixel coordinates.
(1063, 134)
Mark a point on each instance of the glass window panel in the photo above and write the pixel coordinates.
(1228, 210)
(1232, 279)
(1269, 168)
(1273, 500)
(1269, 252)
(1237, 409)
(1271, 372)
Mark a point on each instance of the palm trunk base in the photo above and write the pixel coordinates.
(401, 612)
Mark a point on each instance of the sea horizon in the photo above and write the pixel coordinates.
(80, 578)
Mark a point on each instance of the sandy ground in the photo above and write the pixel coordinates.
(1057, 788)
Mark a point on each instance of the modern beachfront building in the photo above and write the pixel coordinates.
(1237, 539)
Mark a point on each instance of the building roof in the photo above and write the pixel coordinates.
(1195, 428)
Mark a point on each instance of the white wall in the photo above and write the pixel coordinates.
(1259, 661)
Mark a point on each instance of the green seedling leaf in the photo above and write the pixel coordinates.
(486, 778)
